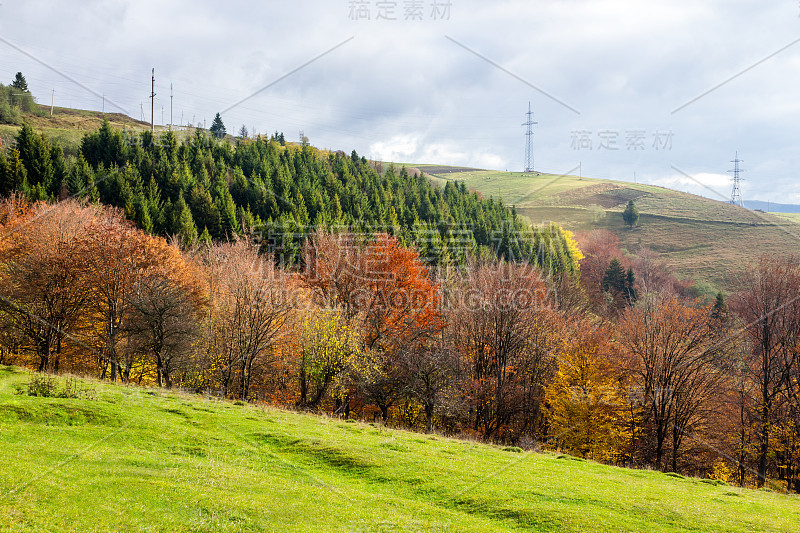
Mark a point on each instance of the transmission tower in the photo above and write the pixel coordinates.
(736, 193)
(529, 143)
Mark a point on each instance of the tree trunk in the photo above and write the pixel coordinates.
(428, 417)
(763, 447)
(303, 387)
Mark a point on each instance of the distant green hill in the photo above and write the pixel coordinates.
(122, 458)
(706, 240)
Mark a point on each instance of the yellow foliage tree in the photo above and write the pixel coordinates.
(330, 344)
(587, 402)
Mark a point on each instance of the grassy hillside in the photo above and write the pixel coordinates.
(702, 239)
(67, 126)
(131, 459)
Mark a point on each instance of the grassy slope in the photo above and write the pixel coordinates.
(68, 126)
(148, 460)
(703, 239)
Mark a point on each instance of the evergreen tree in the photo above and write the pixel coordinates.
(34, 150)
(217, 127)
(80, 178)
(631, 214)
(205, 237)
(19, 82)
(5, 185)
(183, 223)
(720, 310)
(614, 277)
(630, 290)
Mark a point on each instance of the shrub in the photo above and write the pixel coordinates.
(46, 386)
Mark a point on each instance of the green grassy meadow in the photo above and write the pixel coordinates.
(136, 459)
(67, 126)
(702, 239)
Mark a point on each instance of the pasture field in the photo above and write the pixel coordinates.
(124, 458)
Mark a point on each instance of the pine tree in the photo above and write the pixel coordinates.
(183, 223)
(630, 290)
(205, 237)
(720, 310)
(15, 175)
(19, 82)
(631, 214)
(614, 277)
(5, 185)
(217, 127)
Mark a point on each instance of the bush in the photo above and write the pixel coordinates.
(46, 386)
(41, 385)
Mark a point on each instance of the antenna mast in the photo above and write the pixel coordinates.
(736, 193)
(529, 144)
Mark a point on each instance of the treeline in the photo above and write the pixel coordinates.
(633, 372)
(205, 189)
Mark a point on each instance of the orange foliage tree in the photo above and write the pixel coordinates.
(388, 288)
(42, 289)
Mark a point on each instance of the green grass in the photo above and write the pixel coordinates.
(68, 126)
(702, 239)
(794, 217)
(148, 460)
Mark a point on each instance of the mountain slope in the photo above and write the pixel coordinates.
(131, 459)
(703, 239)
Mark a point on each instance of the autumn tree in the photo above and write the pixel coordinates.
(330, 347)
(768, 305)
(43, 290)
(600, 247)
(250, 306)
(387, 287)
(428, 374)
(116, 255)
(506, 331)
(165, 305)
(672, 355)
(586, 397)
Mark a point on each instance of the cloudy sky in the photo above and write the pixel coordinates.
(666, 91)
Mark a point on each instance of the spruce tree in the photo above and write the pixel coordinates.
(631, 214)
(630, 290)
(614, 277)
(217, 127)
(205, 237)
(19, 82)
(183, 223)
(5, 182)
(720, 310)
